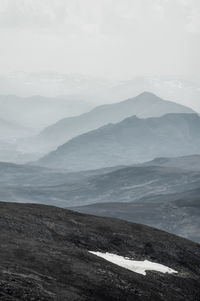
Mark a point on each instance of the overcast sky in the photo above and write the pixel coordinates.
(111, 38)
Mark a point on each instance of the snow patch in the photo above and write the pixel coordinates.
(139, 267)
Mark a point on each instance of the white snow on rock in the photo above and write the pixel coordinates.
(139, 267)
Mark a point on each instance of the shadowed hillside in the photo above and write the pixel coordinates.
(45, 256)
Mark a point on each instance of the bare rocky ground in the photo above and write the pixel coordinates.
(44, 256)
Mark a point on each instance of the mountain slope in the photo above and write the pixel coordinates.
(128, 184)
(64, 189)
(45, 256)
(191, 162)
(27, 175)
(177, 213)
(131, 141)
(144, 105)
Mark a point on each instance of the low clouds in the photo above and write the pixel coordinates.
(98, 14)
(27, 13)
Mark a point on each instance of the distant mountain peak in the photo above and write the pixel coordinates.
(145, 105)
(148, 94)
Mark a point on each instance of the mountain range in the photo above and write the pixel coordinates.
(130, 141)
(143, 106)
(50, 254)
(117, 184)
(149, 194)
(135, 165)
(97, 89)
(26, 116)
(76, 189)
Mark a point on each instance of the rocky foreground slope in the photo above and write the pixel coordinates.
(44, 255)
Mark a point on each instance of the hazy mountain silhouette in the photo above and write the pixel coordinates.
(131, 141)
(144, 105)
(38, 111)
(100, 90)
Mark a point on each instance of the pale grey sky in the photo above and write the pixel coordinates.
(111, 38)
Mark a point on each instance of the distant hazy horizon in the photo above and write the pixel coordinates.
(108, 38)
(101, 51)
(90, 91)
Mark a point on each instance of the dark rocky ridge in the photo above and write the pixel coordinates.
(43, 256)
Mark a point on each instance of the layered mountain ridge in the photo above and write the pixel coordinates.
(144, 105)
(146, 193)
(130, 141)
